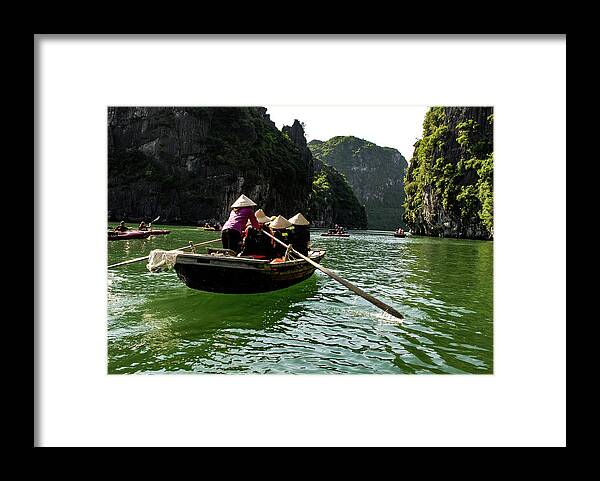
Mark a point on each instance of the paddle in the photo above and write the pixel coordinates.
(352, 287)
(153, 222)
(139, 259)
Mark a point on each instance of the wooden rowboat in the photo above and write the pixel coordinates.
(219, 271)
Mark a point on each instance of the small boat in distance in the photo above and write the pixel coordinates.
(135, 234)
(220, 270)
(337, 232)
(399, 232)
(212, 227)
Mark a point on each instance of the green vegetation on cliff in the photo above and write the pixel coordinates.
(189, 164)
(375, 174)
(449, 183)
(332, 200)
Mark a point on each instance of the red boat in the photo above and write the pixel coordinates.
(135, 234)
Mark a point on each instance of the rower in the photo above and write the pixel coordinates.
(121, 227)
(142, 226)
(255, 243)
(278, 227)
(299, 235)
(241, 212)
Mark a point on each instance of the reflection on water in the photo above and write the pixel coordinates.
(442, 286)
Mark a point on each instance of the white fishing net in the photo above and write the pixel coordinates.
(161, 260)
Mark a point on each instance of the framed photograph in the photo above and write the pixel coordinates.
(300, 240)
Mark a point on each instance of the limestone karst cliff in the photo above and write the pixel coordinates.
(449, 183)
(332, 200)
(376, 175)
(188, 164)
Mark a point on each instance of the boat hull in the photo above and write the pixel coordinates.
(135, 234)
(335, 235)
(234, 275)
(399, 235)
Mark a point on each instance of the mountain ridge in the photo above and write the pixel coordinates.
(375, 173)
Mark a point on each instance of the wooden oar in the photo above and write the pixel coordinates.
(344, 282)
(139, 259)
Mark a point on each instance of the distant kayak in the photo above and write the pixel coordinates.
(399, 235)
(326, 234)
(135, 234)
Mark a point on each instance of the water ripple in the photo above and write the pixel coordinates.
(442, 286)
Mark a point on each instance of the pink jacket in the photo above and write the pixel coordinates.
(237, 220)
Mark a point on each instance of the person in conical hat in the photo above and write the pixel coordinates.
(255, 243)
(261, 217)
(243, 201)
(280, 222)
(241, 212)
(299, 235)
(279, 228)
(299, 219)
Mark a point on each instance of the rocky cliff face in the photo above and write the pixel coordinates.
(449, 184)
(376, 175)
(189, 164)
(333, 202)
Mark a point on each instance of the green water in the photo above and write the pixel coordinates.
(442, 286)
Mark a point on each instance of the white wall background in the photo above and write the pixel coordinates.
(523, 403)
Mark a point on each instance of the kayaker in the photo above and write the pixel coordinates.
(299, 235)
(231, 235)
(121, 227)
(278, 228)
(255, 243)
(142, 226)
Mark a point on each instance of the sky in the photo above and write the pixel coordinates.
(388, 126)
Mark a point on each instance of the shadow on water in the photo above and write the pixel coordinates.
(182, 328)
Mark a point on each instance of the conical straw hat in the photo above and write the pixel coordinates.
(280, 223)
(299, 219)
(261, 217)
(242, 201)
